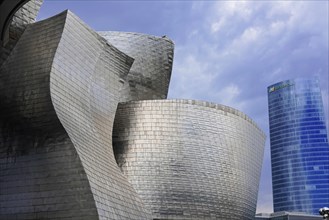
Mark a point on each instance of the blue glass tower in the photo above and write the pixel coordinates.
(299, 146)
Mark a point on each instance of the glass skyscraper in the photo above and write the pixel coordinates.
(299, 146)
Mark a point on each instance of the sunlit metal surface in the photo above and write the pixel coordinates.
(150, 73)
(190, 159)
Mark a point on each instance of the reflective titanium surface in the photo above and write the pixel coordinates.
(59, 90)
(190, 159)
(58, 96)
(150, 73)
(299, 146)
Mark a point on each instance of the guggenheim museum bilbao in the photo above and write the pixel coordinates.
(86, 131)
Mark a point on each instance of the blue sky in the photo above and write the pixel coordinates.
(226, 52)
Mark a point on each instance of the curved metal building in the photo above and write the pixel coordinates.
(59, 92)
(60, 85)
(150, 73)
(190, 159)
(299, 146)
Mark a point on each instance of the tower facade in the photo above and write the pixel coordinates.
(299, 146)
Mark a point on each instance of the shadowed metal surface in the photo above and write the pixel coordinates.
(150, 73)
(19, 15)
(190, 159)
(59, 93)
(7, 10)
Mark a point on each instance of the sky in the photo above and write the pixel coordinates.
(226, 52)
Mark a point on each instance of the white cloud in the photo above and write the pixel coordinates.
(242, 9)
(217, 25)
(191, 75)
(228, 96)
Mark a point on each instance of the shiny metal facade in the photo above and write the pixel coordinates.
(150, 73)
(59, 92)
(190, 159)
(299, 146)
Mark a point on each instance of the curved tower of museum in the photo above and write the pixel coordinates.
(150, 73)
(190, 159)
(299, 146)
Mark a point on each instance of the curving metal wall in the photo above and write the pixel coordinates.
(150, 73)
(85, 81)
(190, 159)
(58, 97)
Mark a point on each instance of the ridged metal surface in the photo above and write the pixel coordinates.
(150, 73)
(59, 91)
(190, 159)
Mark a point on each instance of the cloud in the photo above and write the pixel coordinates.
(190, 67)
(248, 43)
(229, 93)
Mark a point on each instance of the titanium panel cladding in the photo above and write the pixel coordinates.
(85, 81)
(190, 159)
(59, 92)
(150, 73)
(299, 146)
(41, 175)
